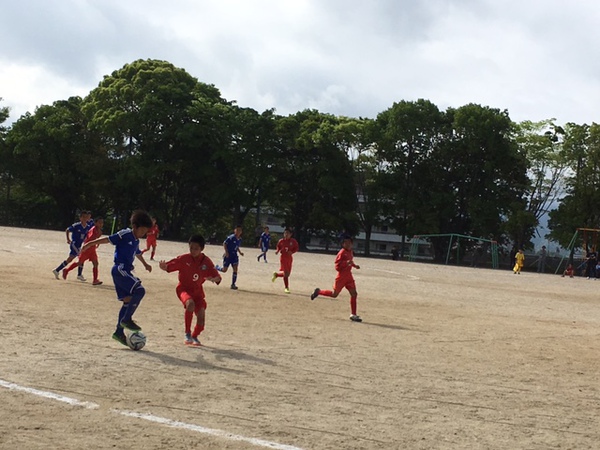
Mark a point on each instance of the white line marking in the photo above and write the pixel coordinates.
(412, 277)
(150, 417)
(50, 395)
(203, 430)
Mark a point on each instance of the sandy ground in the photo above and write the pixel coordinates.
(446, 358)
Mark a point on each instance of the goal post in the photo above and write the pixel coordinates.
(448, 247)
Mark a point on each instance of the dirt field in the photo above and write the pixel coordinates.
(446, 358)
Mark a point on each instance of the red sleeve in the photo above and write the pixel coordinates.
(279, 245)
(211, 272)
(174, 264)
(295, 246)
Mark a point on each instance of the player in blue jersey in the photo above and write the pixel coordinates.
(265, 242)
(76, 234)
(231, 245)
(129, 287)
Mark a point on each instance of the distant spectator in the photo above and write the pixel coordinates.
(542, 260)
(395, 253)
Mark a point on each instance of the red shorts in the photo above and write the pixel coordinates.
(344, 282)
(150, 241)
(197, 296)
(285, 265)
(88, 255)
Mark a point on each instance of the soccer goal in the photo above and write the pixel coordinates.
(452, 248)
(584, 238)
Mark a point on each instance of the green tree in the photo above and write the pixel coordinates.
(162, 129)
(542, 143)
(54, 155)
(580, 207)
(408, 135)
(6, 176)
(486, 172)
(315, 189)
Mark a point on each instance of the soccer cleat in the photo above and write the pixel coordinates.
(265, 260)
(55, 272)
(219, 268)
(355, 318)
(234, 287)
(195, 342)
(274, 277)
(120, 338)
(64, 274)
(130, 325)
(286, 290)
(188, 339)
(80, 278)
(97, 283)
(315, 293)
(258, 258)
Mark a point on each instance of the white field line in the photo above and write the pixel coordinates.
(151, 418)
(50, 395)
(203, 430)
(412, 277)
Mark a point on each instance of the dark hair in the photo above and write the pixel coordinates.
(198, 239)
(347, 237)
(96, 219)
(289, 230)
(237, 226)
(141, 218)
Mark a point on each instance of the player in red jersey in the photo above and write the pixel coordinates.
(194, 268)
(89, 254)
(151, 238)
(286, 247)
(344, 262)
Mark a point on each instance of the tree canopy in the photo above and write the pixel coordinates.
(152, 136)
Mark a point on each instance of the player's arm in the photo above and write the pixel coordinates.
(169, 266)
(147, 266)
(68, 234)
(240, 251)
(225, 249)
(214, 276)
(96, 242)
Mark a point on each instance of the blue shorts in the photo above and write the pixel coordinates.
(73, 249)
(231, 261)
(264, 248)
(125, 282)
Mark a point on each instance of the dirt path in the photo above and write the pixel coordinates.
(445, 358)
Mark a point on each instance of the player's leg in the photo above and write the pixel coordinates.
(66, 270)
(153, 251)
(234, 275)
(287, 271)
(353, 297)
(200, 321)
(95, 271)
(131, 292)
(225, 266)
(80, 276)
(72, 255)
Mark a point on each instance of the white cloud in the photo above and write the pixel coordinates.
(535, 58)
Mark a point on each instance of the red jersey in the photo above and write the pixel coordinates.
(93, 233)
(192, 271)
(344, 261)
(152, 233)
(287, 247)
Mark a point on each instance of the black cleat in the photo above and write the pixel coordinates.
(315, 294)
(131, 325)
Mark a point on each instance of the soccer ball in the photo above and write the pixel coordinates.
(136, 340)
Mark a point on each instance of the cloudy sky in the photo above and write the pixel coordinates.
(539, 59)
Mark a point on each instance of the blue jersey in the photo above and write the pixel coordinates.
(265, 240)
(233, 244)
(78, 233)
(126, 247)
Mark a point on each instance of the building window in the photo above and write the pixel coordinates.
(382, 247)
